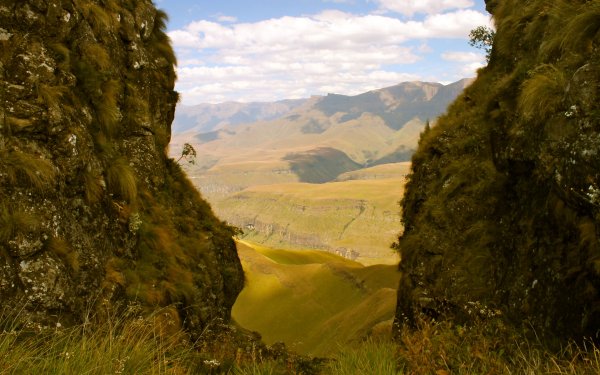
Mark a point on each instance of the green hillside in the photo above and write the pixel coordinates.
(312, 300)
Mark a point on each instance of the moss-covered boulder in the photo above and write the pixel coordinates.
(92, 211)
(502, 209)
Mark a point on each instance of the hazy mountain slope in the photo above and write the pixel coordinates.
(502, 209)
(93, 214)
(371, 128)
(312, 300)
(205, 118)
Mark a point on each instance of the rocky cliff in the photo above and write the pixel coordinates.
(92, 211)
(502, 209)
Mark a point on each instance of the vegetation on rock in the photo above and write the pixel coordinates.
(501, 208)
(93, 213)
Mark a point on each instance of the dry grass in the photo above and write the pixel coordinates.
(95, 14)
(543, 93)
(93, 186)
(121, 180)
(65, 252)
(97, 55)
(13, 220)
(161, 41)
(130, 344)
(488, 348)
(26, 169)
(583, 27)
(63, 53)
(107, 110)
(52, 96)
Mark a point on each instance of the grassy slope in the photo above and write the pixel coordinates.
(354, 214)
(312, 300)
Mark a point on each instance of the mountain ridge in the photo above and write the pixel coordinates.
(208, 117)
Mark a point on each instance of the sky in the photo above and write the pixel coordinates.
(268, 50)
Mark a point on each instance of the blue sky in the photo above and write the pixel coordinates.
(240, 50)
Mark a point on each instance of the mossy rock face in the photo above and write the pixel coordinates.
(502, 208)
(92, 211)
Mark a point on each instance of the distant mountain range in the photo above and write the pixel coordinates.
(396, 105)
(306, 140)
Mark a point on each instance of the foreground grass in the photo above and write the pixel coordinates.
(118, 346)
(152, 346)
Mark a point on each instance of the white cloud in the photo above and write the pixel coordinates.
(464, 57)
(470, 69)
(287, 57)
(454, 24)
(467, 62)
(227, 19)
(410, 7)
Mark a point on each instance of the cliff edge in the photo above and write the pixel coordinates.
(502, 208)
(92, 211)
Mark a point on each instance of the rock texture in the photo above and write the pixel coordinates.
(91, 209)
(502, 209)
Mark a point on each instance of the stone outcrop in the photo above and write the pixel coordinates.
(502, 209)
(92, 210)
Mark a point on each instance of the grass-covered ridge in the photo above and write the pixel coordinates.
(501, 207)
(315, 302)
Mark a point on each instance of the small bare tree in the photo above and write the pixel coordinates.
(188, 153)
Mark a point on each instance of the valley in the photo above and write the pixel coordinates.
(313, 301)
(323, 173)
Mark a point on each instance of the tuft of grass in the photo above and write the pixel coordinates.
(51, 95)
(121, 180)
(93, 185)
(96, 54)
(65, 252)
(543, 94)
(98, 18)
(24, 168)
(488, 347)
(583, 28)
(89, 79)
(368, 357)
(16, 123)
(107, 110)
(12, 220)
(114, 272)
(63, 53)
